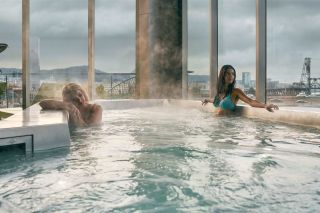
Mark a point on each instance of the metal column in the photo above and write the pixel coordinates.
(213, 47)
(185, 49)
(25, 54)
(91, 44)
(261, 50)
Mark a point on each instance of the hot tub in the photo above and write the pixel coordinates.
(154, 156)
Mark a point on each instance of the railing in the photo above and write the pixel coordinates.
(10, 91)
(124, 89)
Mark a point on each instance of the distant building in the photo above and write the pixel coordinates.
(198, 85)
(246, 79)
(239, 84)
(253, 84)
(272, 84)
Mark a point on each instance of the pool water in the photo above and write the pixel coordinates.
(168, 159)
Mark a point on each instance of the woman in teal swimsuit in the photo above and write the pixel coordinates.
(228, 96)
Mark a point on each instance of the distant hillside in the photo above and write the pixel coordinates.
(80, 73)
(74, 70)
(10, 71)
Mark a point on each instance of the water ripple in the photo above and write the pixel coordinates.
(170, 160)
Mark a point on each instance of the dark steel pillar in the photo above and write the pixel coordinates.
(261, 50)
(159, 49)
(213, 47)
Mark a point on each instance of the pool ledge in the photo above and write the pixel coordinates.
(293, 115)
(305, 116)
(38, 130)
(43, 130)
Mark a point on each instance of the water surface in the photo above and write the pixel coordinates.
(167, 159)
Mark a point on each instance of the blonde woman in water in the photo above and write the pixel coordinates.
(76, 102)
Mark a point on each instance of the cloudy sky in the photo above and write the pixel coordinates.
(60, 29)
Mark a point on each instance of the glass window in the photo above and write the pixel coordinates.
(237, 40)
(58, 46)
(10, 58)
(115, 31)
(198, 48)
(293, 65)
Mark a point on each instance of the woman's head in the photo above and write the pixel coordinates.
(74, 93)
(226, 79)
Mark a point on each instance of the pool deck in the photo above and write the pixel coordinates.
(38, 130)
(305, 116)
(291, 115)
(44, 130)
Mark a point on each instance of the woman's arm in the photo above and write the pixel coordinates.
(254, 103)
(75, 117)
(49, 104)
(206, 100)
(95, 117)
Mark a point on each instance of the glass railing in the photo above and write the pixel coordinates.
(10, 56)
(293, 65)
(237, 41)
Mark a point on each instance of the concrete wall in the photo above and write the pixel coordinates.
(159, 49)
(38, 130)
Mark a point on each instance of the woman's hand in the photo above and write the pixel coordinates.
(270, 107)
(75, 116)
(205, 101)
(72, 109)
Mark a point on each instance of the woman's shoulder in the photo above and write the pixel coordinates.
(237, 90)
(94, 114)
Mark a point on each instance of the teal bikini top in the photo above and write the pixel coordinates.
(225, 103)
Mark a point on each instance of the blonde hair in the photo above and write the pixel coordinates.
(69, 92)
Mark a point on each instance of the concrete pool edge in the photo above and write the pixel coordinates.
(44, 130)
(38, 130)
(291, 115)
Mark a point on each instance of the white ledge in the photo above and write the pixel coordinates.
(39, 130)
(43, 130)
(291, 115)
(305, 116)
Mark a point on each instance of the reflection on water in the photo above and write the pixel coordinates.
(171, 160)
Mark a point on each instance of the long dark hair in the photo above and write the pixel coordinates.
(221, 82)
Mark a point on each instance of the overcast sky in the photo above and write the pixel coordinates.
(60, 27)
